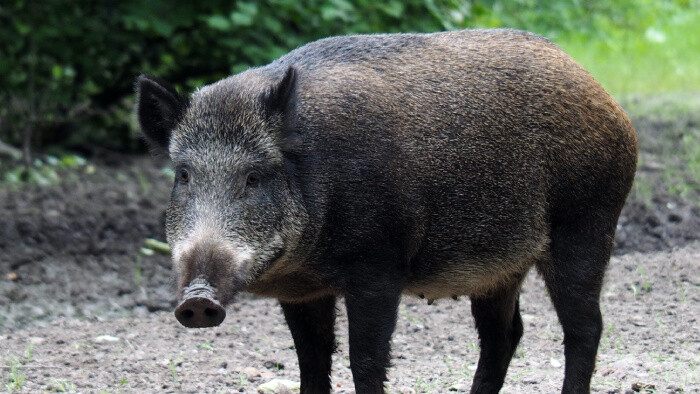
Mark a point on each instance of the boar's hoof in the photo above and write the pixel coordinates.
(196, 312)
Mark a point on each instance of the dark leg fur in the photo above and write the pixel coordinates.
(580, 253)
(500, 327)
(371, 319)
(312, 326)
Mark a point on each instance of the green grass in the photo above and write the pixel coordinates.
(28, 352)
(49, 170)
(643, 189)
(663, 58)
(646, 285)
(426, 385)
(138, 275)
(14, 380)
(61, 386)
(409, 316)
(173, 372)
(15, 376)
(668, 128)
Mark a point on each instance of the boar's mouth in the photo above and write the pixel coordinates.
(199, 306)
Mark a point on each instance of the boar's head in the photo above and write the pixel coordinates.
(235, 209)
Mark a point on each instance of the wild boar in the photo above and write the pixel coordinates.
(368, 166)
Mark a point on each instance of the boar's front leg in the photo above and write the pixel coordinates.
(372, 311)
(312, 326)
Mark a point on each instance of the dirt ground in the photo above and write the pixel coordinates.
(82, 309)
(652, 337)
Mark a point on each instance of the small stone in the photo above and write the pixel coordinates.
(13, 276)
(106, 338)
(555, 363)
(528, 317)
(278, 385)
(250, 372)
(266, 375)
(624, 364)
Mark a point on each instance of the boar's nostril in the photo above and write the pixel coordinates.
(198, 312)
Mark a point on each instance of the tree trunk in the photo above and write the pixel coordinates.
(27, 143)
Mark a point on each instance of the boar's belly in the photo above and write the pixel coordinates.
(472, 278)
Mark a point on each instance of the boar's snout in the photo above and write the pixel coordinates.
(199, 307)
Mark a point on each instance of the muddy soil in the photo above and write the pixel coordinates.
(71, 272)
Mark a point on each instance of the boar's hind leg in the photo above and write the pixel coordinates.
(580, 251)
(372, 314)
(497, 318)
(312, 326)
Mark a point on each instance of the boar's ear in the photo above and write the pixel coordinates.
(159, 108)
(277, 98)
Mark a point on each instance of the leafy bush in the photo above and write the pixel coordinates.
(67, 66)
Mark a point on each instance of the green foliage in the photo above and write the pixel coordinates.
(15, 374)
(655, 50)
(67, 66)
(43, 172)
(61, 386)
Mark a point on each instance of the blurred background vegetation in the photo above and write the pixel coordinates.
(67, 66)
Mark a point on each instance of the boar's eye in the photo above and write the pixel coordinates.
(253, 179)
(183, 175)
